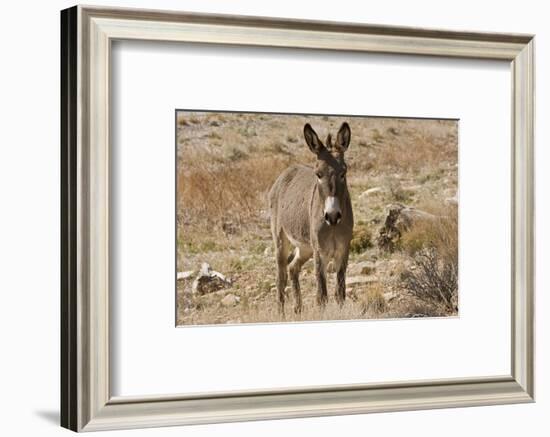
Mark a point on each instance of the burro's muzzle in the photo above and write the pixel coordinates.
(333, 213)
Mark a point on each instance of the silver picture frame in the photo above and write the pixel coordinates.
(86, 400)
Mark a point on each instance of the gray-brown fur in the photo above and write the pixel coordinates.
(311, 212)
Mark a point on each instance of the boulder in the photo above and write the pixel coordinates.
(208, 281)
(399, 218)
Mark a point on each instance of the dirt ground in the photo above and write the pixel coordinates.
(226, 164)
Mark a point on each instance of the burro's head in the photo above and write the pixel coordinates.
(330, 170)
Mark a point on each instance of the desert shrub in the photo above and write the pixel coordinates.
(361, 239)
(433, 246)
(433, 279)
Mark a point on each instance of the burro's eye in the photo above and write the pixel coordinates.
(343, 175)
(319, 175)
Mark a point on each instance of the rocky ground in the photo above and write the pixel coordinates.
(226, 164)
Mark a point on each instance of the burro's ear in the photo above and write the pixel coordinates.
(343, 138)
(312, 140)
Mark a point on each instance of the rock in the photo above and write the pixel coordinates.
(399, 219)
(267, 251)
(209, 280)
(182, 276)
(230, 300)
(359, 280)
(371, 192)
(390, 295)
(364, 268)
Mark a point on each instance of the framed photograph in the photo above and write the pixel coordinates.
(268, 218)
(248, 206)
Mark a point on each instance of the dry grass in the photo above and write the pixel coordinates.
(214, 193)
(414, 149)
(440, 233)
(371, 305)
(332, 311)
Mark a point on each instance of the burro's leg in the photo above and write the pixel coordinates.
(321, 280)
(341, 264)
(281, 256)
(301, 256)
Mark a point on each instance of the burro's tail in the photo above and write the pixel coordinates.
(272, 202)
(272, 196)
